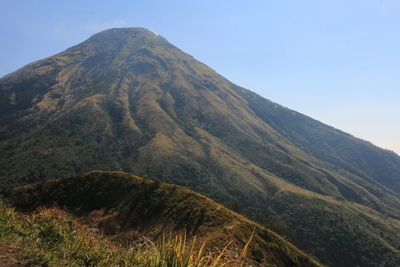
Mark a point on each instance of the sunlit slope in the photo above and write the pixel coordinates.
(128, 100)
(121, 204)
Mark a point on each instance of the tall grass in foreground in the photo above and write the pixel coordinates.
(178, 251)
(49, 237)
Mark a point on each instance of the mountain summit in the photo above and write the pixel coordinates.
(128, 100)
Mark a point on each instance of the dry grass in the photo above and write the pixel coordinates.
(50, 237)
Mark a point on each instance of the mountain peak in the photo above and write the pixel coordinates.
(130, 31)
(126, 36)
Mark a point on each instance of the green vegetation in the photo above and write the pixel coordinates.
(50, 237)
(127, 100)
(121, 206)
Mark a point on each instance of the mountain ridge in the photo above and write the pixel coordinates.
(123, 205)
(130, 101)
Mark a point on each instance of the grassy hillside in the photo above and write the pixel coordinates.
(51, 237)
(328, 144)
(125, 207)
(128, 100)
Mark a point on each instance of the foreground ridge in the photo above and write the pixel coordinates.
(126, 207)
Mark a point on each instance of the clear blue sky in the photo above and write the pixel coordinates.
(335, 60)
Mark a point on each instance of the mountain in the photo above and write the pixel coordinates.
(128, 100)
(123, 205)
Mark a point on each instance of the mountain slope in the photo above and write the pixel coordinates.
(127, 100)
(121, 204)
(330, 145)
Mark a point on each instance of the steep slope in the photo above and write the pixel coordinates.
(327, 144)
(126, 99)
(121, 204)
